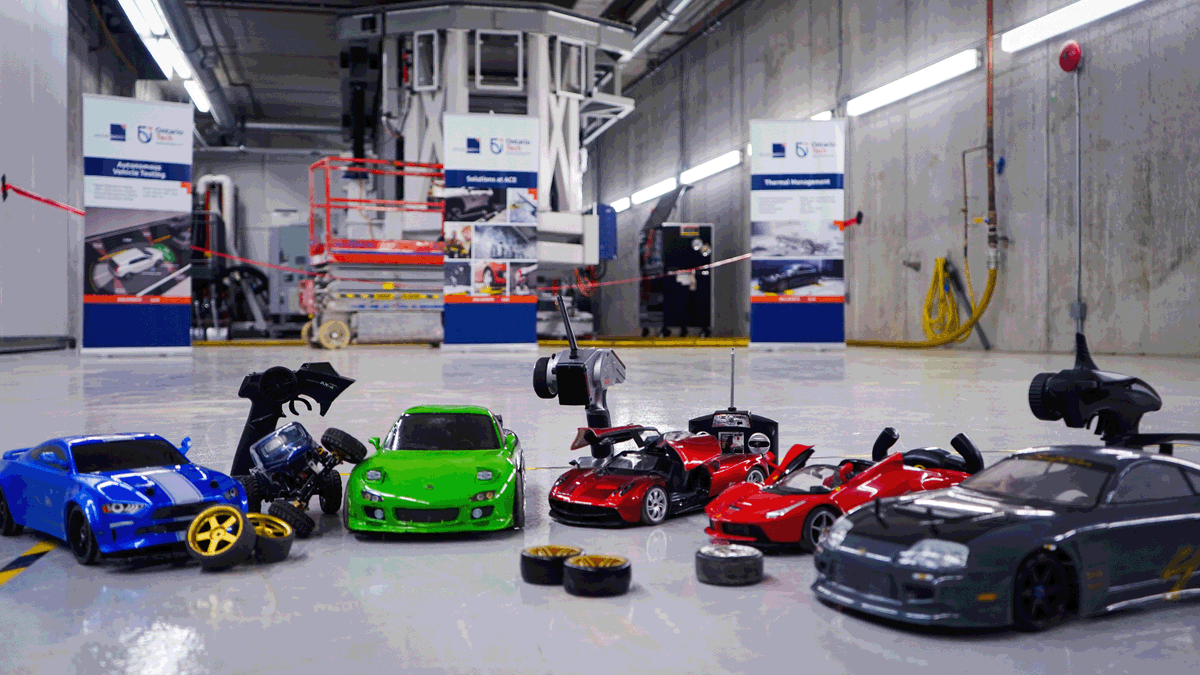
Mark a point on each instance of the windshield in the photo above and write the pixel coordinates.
(1045, 478)
(633, 461)
(125, 455)
(817, 479)
(292, 434)
(444, 431)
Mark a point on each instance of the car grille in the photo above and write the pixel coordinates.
(179, 510)
(425, 515)
(177, 526)
(863, 579)
(583, 512)
(742, 530)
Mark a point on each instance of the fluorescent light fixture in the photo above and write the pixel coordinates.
(1060, 21)
(621, 204)
(140, 26)
(660, 188)
(925, 78)
(711, 167)
(749, 149)
(178, 60)
(162, 56)
(822, 116)
(153, 15)
(199, 97)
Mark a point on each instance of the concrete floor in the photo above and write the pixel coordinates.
(458, 605)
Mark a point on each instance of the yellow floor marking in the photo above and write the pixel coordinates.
(21, 562)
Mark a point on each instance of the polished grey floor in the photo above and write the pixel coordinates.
(458, 605)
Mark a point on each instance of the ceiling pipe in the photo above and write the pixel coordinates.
(296, 128)
(666, 16)
(179, 20)
(243, 150)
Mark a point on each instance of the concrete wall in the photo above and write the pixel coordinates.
(34, 295)
(771, 59)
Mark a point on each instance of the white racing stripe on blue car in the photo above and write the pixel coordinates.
(179, 489)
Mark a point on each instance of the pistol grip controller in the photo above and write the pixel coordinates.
(269, 390)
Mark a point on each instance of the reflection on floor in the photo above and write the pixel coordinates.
(452, 604)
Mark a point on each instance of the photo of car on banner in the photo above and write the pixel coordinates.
(440, 469)
(812, 277)
(109, 495)
(795, 239)
(1039, 536)
(800, 502)
(151, 259)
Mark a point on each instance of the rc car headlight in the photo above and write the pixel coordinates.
(484, 474)
(374, 474)
(121, 507)
(935, 554)
(771, 515)
(231, 494)
(372, 496)
(837, 534)
(484, 496)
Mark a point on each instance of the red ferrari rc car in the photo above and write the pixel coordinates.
(798, 503)
(666, 474)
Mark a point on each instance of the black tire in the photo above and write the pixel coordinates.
(656, 506)
(330, 494)
(253, 492)
(81, 539)
(519, 502)
(729, 565)
(756, 475)
(273, 538)
(544, 564)
(1042, 592)
(597, 575)
(345, 446)
(233, 546)
(8, 524)
(292, 515)
(541, 382)
(817, 523)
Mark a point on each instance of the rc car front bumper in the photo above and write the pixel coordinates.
(163, 526)
(874, 584)
(395, 515)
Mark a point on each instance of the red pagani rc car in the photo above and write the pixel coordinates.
(798, 503)
(662, 475)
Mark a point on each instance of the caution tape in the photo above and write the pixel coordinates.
(6, 187)
(26, 559)
(593, 284)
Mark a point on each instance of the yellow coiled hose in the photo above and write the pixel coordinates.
(958, 334)
(941, 307)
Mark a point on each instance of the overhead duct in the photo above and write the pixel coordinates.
(286, 127)
(666, 16)
(180, 23)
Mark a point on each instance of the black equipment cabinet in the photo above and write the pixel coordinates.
(687, 298)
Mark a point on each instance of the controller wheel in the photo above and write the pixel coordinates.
(279, 384)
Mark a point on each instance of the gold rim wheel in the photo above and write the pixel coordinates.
(554, 551)
(306, 331)
(269, 526)
(215, 530)
(334, 334)
(597, 561)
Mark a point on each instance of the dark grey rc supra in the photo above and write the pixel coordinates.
(1039, 536)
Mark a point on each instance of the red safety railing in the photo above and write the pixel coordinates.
(323, 204)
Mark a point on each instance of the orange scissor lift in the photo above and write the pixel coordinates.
(374, 282)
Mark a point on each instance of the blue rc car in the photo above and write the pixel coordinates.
(109, 495)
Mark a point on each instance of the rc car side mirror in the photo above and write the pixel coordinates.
(185, 445)
(376, 443)
(53, 460)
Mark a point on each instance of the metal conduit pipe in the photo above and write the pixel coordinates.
(243, 150)
(666, 16)
(297, 128)
(180, 23)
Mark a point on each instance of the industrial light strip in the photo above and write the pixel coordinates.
(1026, 35)
(148, 21)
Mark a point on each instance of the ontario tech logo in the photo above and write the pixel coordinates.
(801, 149)
(116, 132)
(497, 146)
(777, 150)
(145, 134)
(472, 146)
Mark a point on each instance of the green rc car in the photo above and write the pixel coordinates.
(440, 469)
